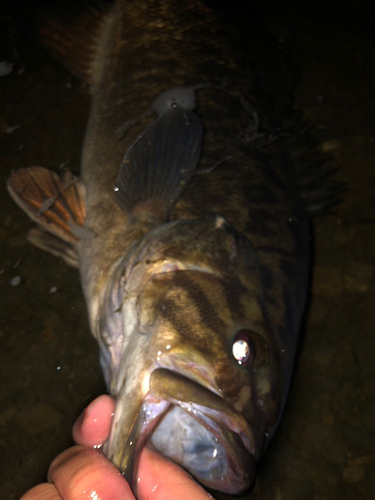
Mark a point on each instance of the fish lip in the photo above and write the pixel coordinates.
(195, 392)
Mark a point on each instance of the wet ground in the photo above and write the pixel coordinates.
(325, 446)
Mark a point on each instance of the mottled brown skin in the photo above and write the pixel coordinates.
(145, 49)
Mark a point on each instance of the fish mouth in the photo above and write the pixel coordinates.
(196, 428)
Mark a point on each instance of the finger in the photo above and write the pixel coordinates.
(160, 479)
(93, 426)
(81, 473)
(43, 491)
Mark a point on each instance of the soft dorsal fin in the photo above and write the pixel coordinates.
(159, 165)
(70, 32)
(55, 202)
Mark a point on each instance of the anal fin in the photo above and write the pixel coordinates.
(57, 203)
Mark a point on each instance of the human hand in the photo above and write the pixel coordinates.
(83, 473)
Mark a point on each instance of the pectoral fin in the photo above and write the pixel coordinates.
(55, 246)
(55, 202)
(159, 165)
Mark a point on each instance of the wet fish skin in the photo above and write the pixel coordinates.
(195, 284)
(234, 256)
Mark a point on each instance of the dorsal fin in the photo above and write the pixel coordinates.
(70, 32)
(159, 165)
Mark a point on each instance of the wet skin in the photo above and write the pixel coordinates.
(82, 473)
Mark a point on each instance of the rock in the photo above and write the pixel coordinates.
(358, 277)
(353, 474)
(327, 281)
(15, 281)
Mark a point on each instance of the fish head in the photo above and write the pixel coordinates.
(196, 371)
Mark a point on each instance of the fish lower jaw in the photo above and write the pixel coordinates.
(202, 452)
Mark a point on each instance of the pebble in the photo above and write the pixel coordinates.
(358, 277)
(353, 474)
(5, 68)
(327, 281)
(15, 281)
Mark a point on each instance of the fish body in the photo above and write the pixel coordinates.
(192, 242)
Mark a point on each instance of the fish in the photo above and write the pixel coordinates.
(189, 224)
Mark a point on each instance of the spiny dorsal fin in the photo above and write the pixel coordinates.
(70, 32)
(55, 202)
(160, 164)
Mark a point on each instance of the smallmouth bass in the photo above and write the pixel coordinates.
(192, 241)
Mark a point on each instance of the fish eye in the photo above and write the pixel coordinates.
(249, 348)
